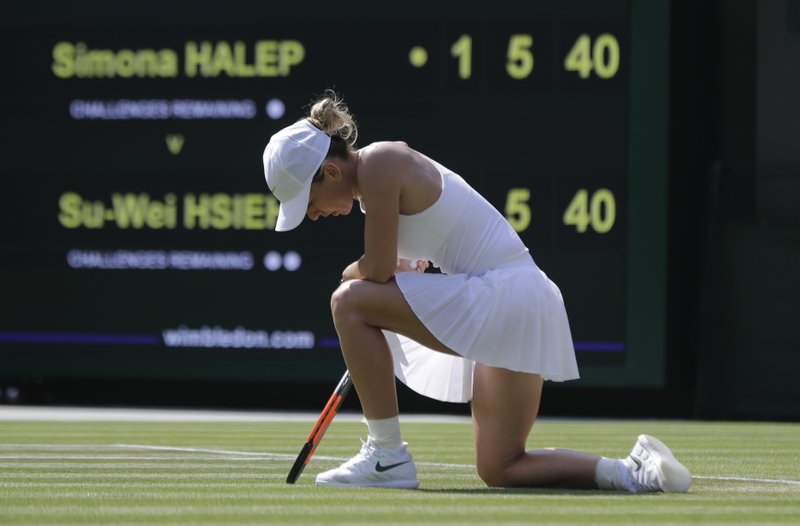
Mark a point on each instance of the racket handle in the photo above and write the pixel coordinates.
(299, 464)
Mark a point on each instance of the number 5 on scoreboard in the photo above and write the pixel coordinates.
(518, 211)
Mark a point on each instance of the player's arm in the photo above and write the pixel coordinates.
(380, 182)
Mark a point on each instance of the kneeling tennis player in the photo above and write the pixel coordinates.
(490, 328)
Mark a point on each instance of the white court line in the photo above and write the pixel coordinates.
(92, 414)
(267, 455)
(201, 450)
(748, 479)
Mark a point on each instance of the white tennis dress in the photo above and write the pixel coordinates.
(491, 304)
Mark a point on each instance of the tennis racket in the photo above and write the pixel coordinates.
(320, 427)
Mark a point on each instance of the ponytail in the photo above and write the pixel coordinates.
(331, 115)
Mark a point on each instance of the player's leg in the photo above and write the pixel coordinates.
(504, 407)
(360, 310)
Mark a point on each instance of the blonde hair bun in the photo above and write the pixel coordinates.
(331, 115)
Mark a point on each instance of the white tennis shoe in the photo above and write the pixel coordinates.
(652, 467)
(374, 467)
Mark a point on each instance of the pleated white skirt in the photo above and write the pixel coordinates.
(511, 317)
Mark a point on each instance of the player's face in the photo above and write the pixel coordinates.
(329, 197)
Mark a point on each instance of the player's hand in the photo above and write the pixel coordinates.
(412, 265)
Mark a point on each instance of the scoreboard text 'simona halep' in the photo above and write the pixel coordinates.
(138, 235)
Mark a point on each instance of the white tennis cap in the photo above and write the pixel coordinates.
(291, 159)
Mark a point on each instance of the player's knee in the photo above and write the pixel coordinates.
(339, 300)
(494, 475)
(343, 304)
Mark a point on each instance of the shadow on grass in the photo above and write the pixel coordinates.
(530, 491)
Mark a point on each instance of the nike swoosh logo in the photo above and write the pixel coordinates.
(381, 469)
(637, 462)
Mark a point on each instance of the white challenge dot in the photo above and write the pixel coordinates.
(292, 261)
(275, 109)
(273, 260)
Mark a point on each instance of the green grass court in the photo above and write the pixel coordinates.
(234, 473)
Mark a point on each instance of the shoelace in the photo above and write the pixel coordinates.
(367, 448)
(642, 469)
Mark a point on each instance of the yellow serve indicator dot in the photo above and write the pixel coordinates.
(418, 56)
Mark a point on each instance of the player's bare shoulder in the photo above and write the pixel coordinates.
(396, 168)
(387, 160)
(386, 153)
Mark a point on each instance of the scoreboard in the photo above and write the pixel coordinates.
(138, 234)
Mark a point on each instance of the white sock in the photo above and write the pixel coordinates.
(609, 473)
(385, 432)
